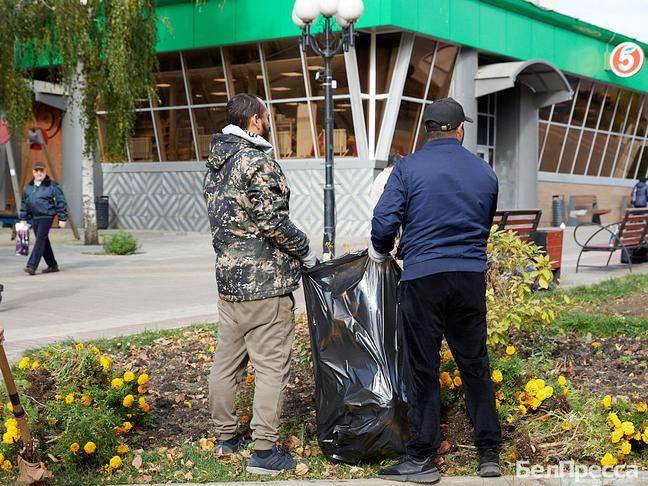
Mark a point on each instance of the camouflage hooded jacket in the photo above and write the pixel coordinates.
(258, 248)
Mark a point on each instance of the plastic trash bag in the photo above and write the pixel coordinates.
(353, 322)
(22, 239)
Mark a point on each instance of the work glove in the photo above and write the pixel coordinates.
(310, 260)
(377, 257)
(62, 224)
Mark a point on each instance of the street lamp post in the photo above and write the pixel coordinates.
(345, 13)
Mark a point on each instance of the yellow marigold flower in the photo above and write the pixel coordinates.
(69, 399)
(74, 448)
(457, 381)
(9, 438)
(127, 426)
(566, 425)
(90, 447)
(445, 379)
(497, 376)
(522, 409)
(212, 348)
(498, 404)
(637, 436)
(9, 406)
(447, 355)
(533, 386)
(510, 350)
(106, 363)
(115, 462)
(616, 435)
(23, 363)
(644, 436)
(35, 365)
(117, 383)
(607, 401)
(122, 449)
(562, 381)
(129, 376)
(565, 392)
(596, 344)
(95, 350)
(128, 400)
(608, 460)
(58, 396)
(613, 420)
(534, 403)
(145, 407)
(641, 407)
(499, 395)
(142, 389)
(11, 423)
(628, 428)
(86, 400)
(6, 465)
(79, 346)
(249, 378)
(1, 458)
(143, 379)
(625, 448)
(509, 419)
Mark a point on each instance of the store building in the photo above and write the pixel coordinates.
(551, 116)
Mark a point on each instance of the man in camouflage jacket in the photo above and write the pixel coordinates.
(259, 254)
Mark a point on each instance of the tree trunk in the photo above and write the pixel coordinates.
(90, 235)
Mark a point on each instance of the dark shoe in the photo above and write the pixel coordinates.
(30, 270)
(410, 469)
(230, 446)
(272, 465)
(489, 463)
(51, 270)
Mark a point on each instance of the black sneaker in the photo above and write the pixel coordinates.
(489, 463)
(413, 470)
(30, 270)
(230, 446)
(51, 270)
(277, 462)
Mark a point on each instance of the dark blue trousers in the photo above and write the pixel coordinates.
(42, 246)
(450, 304)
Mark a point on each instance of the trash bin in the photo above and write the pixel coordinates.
(102, 205)
(353, 323)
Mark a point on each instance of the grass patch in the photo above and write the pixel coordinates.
(602, 325)
(609, 289)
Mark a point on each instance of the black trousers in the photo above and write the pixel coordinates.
(42, 246)
(451, 304)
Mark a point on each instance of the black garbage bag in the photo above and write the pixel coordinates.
(353, 322)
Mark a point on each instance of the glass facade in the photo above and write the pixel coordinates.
(601, 132)
(193, 87)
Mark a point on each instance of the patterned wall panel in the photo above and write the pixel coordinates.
(172, 200)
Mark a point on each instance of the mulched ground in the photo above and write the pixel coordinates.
(635, 305)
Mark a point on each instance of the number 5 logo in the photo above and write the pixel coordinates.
(626, 59)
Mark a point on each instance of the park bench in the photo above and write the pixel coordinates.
(524, 222)
(625, 235)
(584, 209)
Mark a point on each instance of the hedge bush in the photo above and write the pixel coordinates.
(121, 243)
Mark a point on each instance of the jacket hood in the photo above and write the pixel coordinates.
(231, 141)
(641, 184)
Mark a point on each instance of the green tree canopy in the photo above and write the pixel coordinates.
(107, 45)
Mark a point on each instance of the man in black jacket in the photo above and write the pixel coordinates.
(42, 200)
(444, 198)
(640, 194)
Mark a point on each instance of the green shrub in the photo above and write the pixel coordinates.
(121, 243)
(516, 269)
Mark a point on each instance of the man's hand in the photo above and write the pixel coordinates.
(377, 257)
(310, 260)
(62, 224)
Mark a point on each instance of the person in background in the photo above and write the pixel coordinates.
(259, 255)
(640, 194)
(444, 198)
(379, 182)
(42, 200)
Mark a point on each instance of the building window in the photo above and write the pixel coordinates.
(486, 117)
(428, 78)
(601, 132)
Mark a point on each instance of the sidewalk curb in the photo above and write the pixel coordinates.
(447, 480)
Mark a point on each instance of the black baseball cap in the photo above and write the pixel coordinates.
(444, 115)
